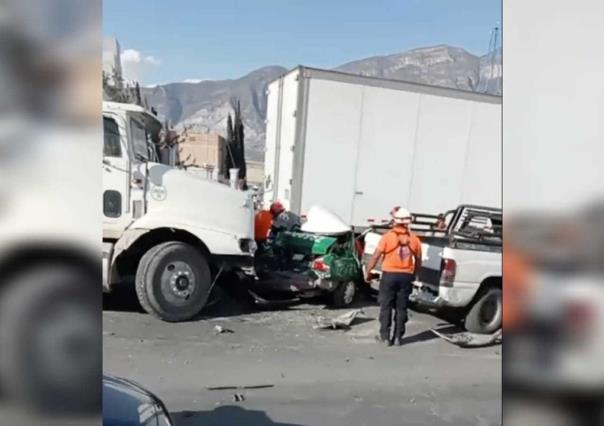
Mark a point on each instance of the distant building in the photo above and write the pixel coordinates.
(111, 57)
(255, 173)
(201, 151)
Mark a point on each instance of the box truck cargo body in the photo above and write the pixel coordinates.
(360, 145)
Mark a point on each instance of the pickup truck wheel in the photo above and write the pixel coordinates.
(485, 315)
(344, 294)
(173, 281)
(50, 330)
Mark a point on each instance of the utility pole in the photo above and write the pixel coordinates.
(492, 58)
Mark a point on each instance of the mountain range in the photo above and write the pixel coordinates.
(203, 106)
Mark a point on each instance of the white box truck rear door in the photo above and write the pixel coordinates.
(330, 152)
(385, 158)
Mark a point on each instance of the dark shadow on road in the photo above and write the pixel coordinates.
(452, 316)
(225, 416)
(122, 299)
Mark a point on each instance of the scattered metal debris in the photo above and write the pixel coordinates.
(213, 388)
(343, 321)
(218, 329)
(471, 340)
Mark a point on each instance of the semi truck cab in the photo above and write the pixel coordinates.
(168, 230)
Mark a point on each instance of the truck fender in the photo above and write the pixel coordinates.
(218, 241)
(126, 240)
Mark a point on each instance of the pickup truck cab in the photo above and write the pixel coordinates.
(461, 264)
(170, 231)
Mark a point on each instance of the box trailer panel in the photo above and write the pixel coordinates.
(482, 175)
(285, 149)
(273, 112)
(361, 145)
(281, 135)
(333, 115)
(385, 157)
(439, 160)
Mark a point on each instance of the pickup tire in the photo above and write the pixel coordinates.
(485, 315)
(50, 328)
(173, 281)
(344, 294)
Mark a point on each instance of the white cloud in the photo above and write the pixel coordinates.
(135, 64)
(131, 56)
(152, 60)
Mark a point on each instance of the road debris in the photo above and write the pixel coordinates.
(343, 321)
(214, 388)
(218, 329)
(467, 339)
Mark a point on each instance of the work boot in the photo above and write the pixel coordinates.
(383, 340)
(398, 341)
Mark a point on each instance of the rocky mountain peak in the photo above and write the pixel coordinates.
(204, 106)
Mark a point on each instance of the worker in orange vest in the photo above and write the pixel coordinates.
(262, 226)
(276, 219)
(401, 252)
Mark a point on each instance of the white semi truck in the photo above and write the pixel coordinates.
(361, 145)
(168, 230)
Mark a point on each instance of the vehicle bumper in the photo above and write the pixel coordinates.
(457, 296)
(244, 263)
(323, 284)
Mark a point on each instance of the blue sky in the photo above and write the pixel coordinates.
(176, 40)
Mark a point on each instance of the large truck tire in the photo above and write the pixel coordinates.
(484, 317)
(344, 294)
(173, 281)
(50, 338)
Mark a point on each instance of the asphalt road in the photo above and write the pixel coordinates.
(330, 377)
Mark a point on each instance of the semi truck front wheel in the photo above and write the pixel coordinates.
(173, 281)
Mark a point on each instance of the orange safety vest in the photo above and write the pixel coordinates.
(262, 225)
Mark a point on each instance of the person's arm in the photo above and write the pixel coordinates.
(377, 255)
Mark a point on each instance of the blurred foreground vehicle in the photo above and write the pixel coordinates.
(50, 303)
(461, 264)
(166, 229)
(554, 294)
(128, 403)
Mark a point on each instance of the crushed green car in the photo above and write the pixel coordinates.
(315, 260)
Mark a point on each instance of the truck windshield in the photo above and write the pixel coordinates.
(139, 140)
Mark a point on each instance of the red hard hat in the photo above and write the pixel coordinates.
(277, 207)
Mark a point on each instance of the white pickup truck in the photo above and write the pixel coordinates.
(461, 264)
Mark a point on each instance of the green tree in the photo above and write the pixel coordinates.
(137, 94)
(239, 144)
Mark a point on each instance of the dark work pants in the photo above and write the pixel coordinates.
(395, 288)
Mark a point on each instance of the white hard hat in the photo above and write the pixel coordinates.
(401, 216)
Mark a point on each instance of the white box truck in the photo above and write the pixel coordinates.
(360, 145)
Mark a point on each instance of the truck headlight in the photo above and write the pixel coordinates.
(247, 245)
